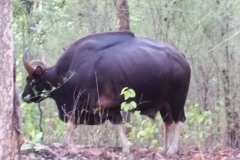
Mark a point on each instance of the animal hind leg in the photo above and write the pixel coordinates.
(178, 115)
(168, 135)
(177, 129)
(177, 97)
(119, 128)
(168, 126)
(69, 133)
(116, 120)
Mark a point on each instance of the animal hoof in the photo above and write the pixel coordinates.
(171, 151)
(165, 149)
(126, 150)
(65, 142)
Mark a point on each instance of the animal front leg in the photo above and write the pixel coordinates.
(69, 133)
(119, 128)
(176, 136)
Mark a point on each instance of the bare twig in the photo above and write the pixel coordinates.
(226, 40)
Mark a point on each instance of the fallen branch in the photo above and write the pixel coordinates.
(50, 151)
(43, 148)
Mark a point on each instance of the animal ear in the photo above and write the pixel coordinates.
(39, 71)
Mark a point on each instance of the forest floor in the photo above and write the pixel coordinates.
(78, 152)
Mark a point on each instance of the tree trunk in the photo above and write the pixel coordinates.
(9, 133)
(122, 14)
(123, 25)
(231, 114)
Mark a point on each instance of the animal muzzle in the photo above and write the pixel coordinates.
(26, 98)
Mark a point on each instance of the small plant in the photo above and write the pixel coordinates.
(199, 122)
(128, 105)
(147, 130)
(35, 145)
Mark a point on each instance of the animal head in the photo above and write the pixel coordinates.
(37, 87)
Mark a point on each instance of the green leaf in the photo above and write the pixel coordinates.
(137, 114)
(134, 104)
(123, 90)
(19, 77)
(200, 119)
(32, 133)
(26, 147)
(133, 133)
(128, 125)
(123, 105)
(144, 121)
(132, 93)
(38, 147)
(126, 96)
(127, 107)
(208, 122)
(207, 114)
(129, 143)
(38, 137)
(141, 134)
(200, 134)
(154, 143)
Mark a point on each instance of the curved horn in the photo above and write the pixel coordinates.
(26, 64)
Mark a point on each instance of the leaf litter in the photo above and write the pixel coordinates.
(56, 151)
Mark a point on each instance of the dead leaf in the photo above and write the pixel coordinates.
(63, 152)
(94, 151)
(113, 156)
(225, 153)
(198, 156)
(73, 149)
(158, 156)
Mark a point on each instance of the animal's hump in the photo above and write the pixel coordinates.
(120, 35)
(100, 41)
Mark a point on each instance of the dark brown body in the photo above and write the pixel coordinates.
(91, 73)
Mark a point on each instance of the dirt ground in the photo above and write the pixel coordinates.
(78, 152)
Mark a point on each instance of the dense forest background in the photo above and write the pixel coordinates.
(206, 31)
